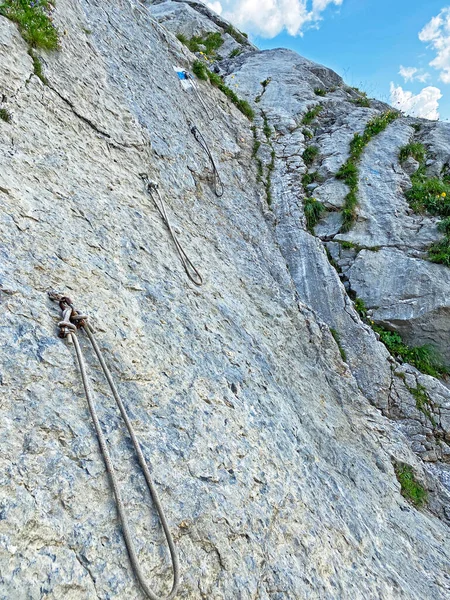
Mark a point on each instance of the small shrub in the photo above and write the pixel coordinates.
(310, 153)
(362, 101)
(266, 82)
(349, 174)
(5, 115)
(267, 129)
(423, 402)
(425, 358)
(241, 38)
(182, 38)
(444, 225)
(245, 109)
(361, 308)
(199, 69)
(242, 105)
(431, 194)
(411, 489)
(33, 20)
(37, 66)
(414, 149)
(320, 92)
(256, 143)
(309, 116)
(439, 252)
(313, 210)
(337, 339)
(309, 178)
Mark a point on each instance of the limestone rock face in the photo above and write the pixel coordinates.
(274, 458)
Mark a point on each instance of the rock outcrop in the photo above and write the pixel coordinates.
(275, 459)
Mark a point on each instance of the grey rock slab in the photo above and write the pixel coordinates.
(269, 460)
(180, 17)
(411, 295)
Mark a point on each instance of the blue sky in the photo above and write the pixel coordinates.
(365, 41)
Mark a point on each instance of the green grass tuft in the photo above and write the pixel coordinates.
(411, 489)
(313, 210)
(241, 38)
(308, 134)
(309, 155)
(235, 52)
(199, 69)
(267, 129)
(5, 115)
(362, 101)
(337, 339)
(320, 92)
(361, 308)
(309, 178)
(425, 358)
(423, 402)
(312, 114)
(33, 20)
(414, 149)
(37, 66)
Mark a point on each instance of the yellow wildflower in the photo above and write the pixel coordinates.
(443, 194)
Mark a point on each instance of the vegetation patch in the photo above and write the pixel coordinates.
(362, 101)
(414, 149)
(268, 184)
(411, 489)
(202, 72)
(211, 43)
(425, 358)
(241, 38)
(337, 339)
(320, 91)
(308, 134)
(267, 129)
(423, 402)
(309, 155)
(312, 114)
(33, 18)
(313, 210)
(235, 52)
(5, 115)
(199, 69)
(349, 170)
(309, 178)
(430, 194)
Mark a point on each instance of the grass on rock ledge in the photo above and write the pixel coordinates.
(202, 72)
(33, 18)
(429, 194)
(425, 358)
(349, 170)
(411, 489)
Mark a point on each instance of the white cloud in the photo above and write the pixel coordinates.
(407, 72)
(413, 74)
(269, 17)
(437, 34)
(424, 104)
(215, 6)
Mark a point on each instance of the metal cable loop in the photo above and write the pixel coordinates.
(218, 185)
(152, 189)
(69, 315)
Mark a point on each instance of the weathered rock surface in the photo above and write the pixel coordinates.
(275, 470)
